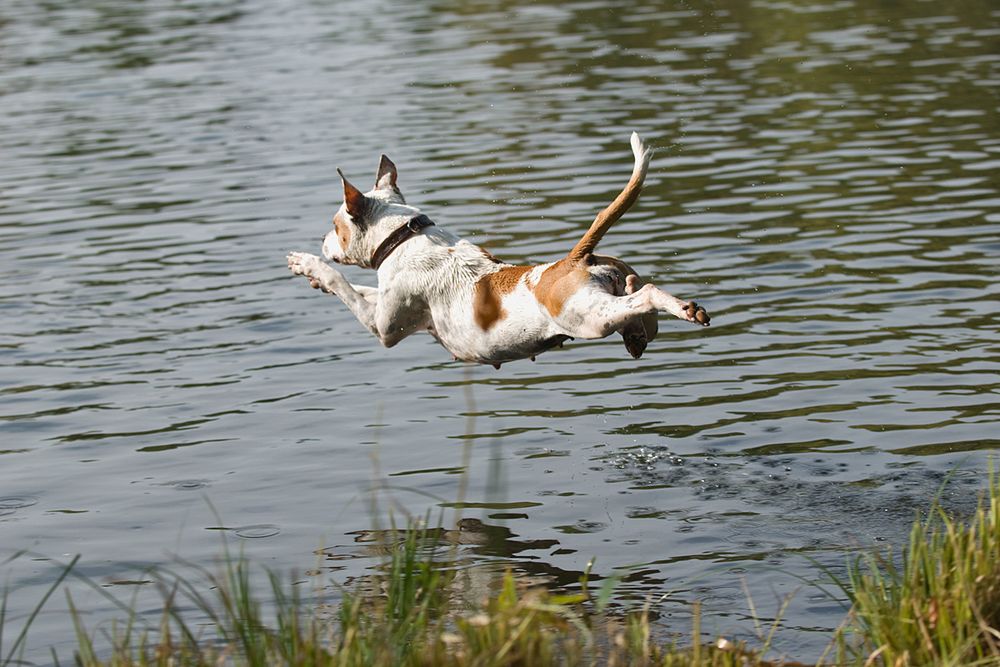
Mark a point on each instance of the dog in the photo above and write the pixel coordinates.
(479, 308)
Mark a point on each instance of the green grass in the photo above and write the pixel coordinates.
(941, 604)
(935, 604)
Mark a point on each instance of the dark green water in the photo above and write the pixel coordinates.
(826, 182)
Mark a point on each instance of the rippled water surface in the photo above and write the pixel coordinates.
(825, 182)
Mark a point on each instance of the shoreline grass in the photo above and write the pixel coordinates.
(935, 604)
(941, 604)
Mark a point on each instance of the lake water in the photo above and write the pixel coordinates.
(826, 183)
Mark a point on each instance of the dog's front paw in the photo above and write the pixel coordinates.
(697, 314)
(302, 263)
(310, 266)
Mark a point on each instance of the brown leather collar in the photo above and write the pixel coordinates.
(399, 237)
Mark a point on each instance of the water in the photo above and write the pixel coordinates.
(825, 183)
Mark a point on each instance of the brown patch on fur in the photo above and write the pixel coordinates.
(490, 256)
(343, 231)
(558, 283)
(490, 289)
(354, 200)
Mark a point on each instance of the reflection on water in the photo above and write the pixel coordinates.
(825, 182)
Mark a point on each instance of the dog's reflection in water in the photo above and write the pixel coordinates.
(483, 538)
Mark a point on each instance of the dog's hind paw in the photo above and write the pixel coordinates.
(697, 314)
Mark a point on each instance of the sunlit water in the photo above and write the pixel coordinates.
(825, 183)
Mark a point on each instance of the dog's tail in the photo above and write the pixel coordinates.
(617, 208)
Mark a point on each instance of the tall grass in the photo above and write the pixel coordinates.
(941, 604)
(936, 604)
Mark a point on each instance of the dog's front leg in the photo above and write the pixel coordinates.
(391, 314)
(361, 300)
(399, 313)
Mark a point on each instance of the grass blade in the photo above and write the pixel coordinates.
(38, 608)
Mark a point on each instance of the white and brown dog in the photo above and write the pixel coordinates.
(479, 308)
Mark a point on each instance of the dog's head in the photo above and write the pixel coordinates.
(365, 219)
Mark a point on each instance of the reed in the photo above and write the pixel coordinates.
(939, 603)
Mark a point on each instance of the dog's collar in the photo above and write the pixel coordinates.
(399, 237)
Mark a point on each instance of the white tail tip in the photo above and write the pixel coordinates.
(637, 145)
(641, 152)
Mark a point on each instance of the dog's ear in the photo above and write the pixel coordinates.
(386, 176)
(355, 200)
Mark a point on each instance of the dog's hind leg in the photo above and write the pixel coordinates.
(360, 299)
(598, 314)
(637, 332)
